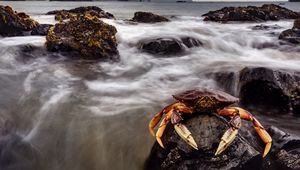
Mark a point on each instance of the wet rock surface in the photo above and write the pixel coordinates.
(262, 89)
(148, 17)
(42, 29)
(15, 152)
(243, 153)
(266, 27)
(295, 100)
(292, 35)
(13, 23)
(168, 46)
(207, 131)
(86, 36)
(285, 153)
(72, 13)
(251, 13)
(266, 88)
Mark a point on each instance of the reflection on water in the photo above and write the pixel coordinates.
(82, 115)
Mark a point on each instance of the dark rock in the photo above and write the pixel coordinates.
(262, 89)
(296, 24)
(266, 89)
(292, 35)
(168, 46)
(285, 152)
(15, 24)
(86, 35)
(207, 131)
(295, 100)
(42, 29)
(251, 13)
(266, 27)
(91, 10)
(148, 17)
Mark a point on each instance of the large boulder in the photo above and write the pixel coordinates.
(262, 89)
(148, 17)
(292, 35)
(267, 89)
(251, 13)
(91, 10)
(243, 154)
(168, 46)
(207, 130)
(15, 24)
(86, 35)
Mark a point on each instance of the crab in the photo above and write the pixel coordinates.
(206, 101)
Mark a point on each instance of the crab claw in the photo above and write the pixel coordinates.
(185, 134)
(226, 139)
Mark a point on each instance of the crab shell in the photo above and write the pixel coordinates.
(206, 100)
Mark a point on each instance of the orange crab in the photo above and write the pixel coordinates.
(206, 101)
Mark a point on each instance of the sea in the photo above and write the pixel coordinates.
(82, 115)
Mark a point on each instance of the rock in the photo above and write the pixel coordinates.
(266, 89)
(15, 152)
(15, 24)
(296, 24)
(91, 10)
(266, 27)
(148, 17)
(207, 131)
(42, 29)
(86, 35)
(295, 100)
(285, 153)
(168, 46)
(262, 89)
(251, 13)
(292, 35)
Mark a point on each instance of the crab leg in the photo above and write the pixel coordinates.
(155, 120)
(169, 111)
(263, 134)
(162, 128)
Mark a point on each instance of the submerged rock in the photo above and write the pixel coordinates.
(72, 13)
(42, 29)
(15, 24)
(266, 27)
(148, 17)
(251, 13)
(15, 152)
(292, 35)
(168, 46)
(207, 131)
(86, 35)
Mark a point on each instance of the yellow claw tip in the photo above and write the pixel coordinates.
(160, 142)
(267, 149)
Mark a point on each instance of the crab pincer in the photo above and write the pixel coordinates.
(182, 130)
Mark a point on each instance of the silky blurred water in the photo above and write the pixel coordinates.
(93, 115)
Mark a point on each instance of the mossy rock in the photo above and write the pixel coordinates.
(15, 24)
(90, 37)
(61, 15)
